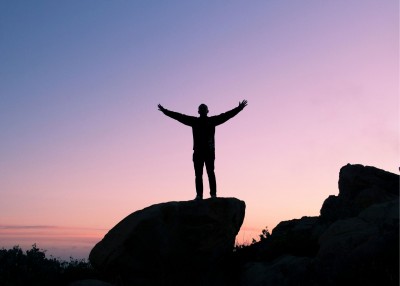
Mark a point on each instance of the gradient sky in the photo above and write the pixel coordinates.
(83, 144)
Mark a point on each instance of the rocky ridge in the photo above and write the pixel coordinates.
(354, 241)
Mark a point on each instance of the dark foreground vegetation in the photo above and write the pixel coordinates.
(32, 267)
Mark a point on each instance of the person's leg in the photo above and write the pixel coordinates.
(198, 162)
(209, 160)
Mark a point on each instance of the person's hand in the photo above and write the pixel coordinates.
(243, 104)
(161, 108)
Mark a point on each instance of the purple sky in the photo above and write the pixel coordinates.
(83, 144)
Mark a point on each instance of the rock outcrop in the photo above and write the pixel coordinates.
(360, 187)
(174, 243)
(355, 240)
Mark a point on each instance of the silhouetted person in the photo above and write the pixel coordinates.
(203, 129)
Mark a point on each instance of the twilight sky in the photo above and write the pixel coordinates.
(83, 144)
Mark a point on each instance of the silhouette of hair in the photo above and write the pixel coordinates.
(203, 109)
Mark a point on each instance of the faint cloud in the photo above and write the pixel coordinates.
(22, 227)
(47, 227)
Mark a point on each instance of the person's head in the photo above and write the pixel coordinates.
(203, 109)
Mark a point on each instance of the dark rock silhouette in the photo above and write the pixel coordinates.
(359, 188)
(355, 240)
(174, 243)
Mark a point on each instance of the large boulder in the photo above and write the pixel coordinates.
(359, 187)
(363, 249)
(297, 237)
(355, 240)
(174, 243)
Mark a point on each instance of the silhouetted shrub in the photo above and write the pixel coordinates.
(33, 268)
(265, 234)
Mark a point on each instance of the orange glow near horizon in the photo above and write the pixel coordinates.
(60, 242)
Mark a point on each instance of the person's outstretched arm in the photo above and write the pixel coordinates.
(182, 118)
(219, 119)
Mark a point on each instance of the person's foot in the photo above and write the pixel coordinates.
(198, 198)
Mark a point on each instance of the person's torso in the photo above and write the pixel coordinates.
(203, 134)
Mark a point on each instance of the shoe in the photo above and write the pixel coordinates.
(198, 198)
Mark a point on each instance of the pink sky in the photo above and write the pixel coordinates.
(83, 144)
